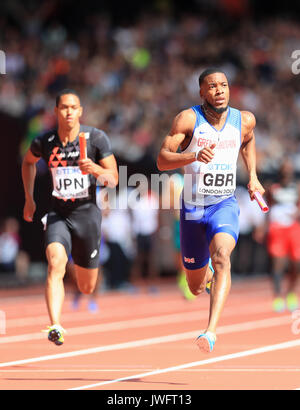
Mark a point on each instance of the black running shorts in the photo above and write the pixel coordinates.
(79, 231)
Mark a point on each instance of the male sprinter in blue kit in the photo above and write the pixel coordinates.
(73, 223)
(210, 137)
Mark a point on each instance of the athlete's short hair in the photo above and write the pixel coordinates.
(208, 71)
(64, 92)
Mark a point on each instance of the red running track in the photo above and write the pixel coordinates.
(145, 341)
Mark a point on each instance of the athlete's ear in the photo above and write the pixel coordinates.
(80, 111)
(55, 111)
(201, 92)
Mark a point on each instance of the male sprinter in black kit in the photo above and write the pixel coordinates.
(73, 224)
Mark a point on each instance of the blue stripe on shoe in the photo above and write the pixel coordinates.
(206, 342)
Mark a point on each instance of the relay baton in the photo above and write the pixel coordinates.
(261, 202)
(82, 147)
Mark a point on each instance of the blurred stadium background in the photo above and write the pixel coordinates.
(136, 66)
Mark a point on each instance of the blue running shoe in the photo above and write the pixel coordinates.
(206, 342)
(208, 285)
(93, 306)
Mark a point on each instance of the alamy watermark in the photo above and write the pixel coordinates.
(169, 188)
(296, 64)
(172, 190)
(2, 62)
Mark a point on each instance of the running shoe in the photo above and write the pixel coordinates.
(55, 334)
(292, 302)
(208, 285)
(206, 342)
(278, 305)
(184, 287)
(93, 306)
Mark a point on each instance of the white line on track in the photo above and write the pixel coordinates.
(265, 323)
(215, 370)
(249, 285)
(144, 307)
(264, 349)
(142, 322)
(108, 313)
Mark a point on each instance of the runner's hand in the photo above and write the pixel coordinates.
(87, 166)
(206, 154)
(255, 185)
(29, 210)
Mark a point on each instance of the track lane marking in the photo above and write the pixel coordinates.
(251, 352)
(189, 316)
(245, 326)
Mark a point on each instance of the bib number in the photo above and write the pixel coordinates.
(213, 181)
(70, 183)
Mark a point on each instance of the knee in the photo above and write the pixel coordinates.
(196, 288)
(86, 288)
(56, 266)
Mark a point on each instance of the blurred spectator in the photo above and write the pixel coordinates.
(118, 236)
(145, 220)
(12, 258)
(249, 256)
(283, 236)
(133, 77)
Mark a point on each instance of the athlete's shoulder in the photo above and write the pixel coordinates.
(40, 144)
(47, 136)
(98, 140)
(93, 131)
(184, 121)
(188, 113)
(248, 119)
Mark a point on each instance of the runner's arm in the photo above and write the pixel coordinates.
(106, 171)
(248, 152)
(28, 177)
(168, 157)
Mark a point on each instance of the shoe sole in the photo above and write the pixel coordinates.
(203, 345)
(54, 337)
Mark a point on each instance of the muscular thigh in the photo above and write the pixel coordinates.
(223, 218)
(57, 231)
(200, 225)
(193, 241)
(85, 227)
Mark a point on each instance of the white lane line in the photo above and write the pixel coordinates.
(115, 326)
(136, 323)
(265, 323)
(264, 349)
(108, 312)
(216, 370)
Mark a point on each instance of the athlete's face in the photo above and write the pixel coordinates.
(215, 91)
(68, 111)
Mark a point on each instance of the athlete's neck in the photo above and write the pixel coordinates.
(68, 134)
(212, 116)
